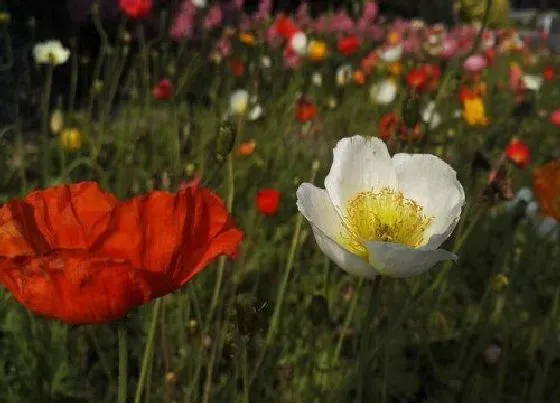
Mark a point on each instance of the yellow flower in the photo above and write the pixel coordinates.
(474, 113)
(317, 51)
(499, 282)
(71, 139)
(395, 69)
(247, 38)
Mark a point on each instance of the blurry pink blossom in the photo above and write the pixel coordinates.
(449, 47)
(183, 24)
(340, 23)
(302, 17)
(238, 4)
(291, 59)
(475, 63)
(515, 77)
(263, 12)
(273, 38)
(213, 18)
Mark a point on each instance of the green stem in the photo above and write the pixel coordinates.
(123, 363)
(148, 351)
(347, 321)
(46, 155)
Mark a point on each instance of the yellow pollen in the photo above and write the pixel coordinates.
(384, 216)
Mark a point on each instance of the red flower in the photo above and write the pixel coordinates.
(348, 45)
(77, 254)
(466, 93)
(388, 125)
(285, 27)
(305, 110)
(163, 90)
(518, 152)
(237, 67)
(554, 117)
(416, 79)
(548, 73)
(136, 9)
(268, 201)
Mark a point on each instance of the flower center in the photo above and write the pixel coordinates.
(384, 216)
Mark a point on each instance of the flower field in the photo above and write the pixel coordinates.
(230, 206)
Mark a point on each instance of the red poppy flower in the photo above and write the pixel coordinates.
(433, 75)
(268, 201)
(237, 67)
(388, 126)
(546, 187)
(416, 79)
(518, 152)
(348, 45)
(305, 110)
(163, 90)
(554, 117)
(285, 27)
(136, 9)
(77, 254)
(548, 73)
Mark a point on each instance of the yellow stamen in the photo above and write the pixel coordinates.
(385, 216)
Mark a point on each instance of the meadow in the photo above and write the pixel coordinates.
(179, 101)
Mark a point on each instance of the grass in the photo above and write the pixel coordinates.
(281, 323)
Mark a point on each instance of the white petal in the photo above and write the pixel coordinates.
(347, 261)
(433, 184)
(316, 207)
(359, 165)
(397, 260)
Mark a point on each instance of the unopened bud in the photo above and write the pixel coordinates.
(499, 282)
(227, 134)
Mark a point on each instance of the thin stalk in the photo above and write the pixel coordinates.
(123, 363)
(148, 351)
(45, 104)
(347, 321)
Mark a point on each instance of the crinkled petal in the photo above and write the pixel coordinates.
(360, 164)
(433, 184)
(397, 260)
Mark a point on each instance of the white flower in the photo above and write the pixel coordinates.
(532, 82)
(391, 54)
(344, 74)
(383, 92)
(238, 102)
(317, 79)
(266, 62)
(255, 113)
(383, 215)
(431, 117)
(50, 52)
(298, 43)
(199, 3)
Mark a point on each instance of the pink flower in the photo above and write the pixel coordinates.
(238, 4)
(291, 59)
(554, 117)
(449, 47)
(263, 12)
(475, 63)
(302, 18)
(213, 18)
(183, 24)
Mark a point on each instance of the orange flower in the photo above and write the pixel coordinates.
(359, 77)
(268, 201)
(247, 38)
(518, 152)
(77, 254)
(546, 187)
(395, 69)
(348, 45)
(246, 149)
(305, 110)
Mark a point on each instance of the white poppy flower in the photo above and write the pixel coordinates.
(50, 52)
(255, 113)
(317, 79)
(383, 92)
(532, 82)
(199, 3)
(238, 102)
(298, 43)
(383, 215)
(391, 54)
(430, 116)
(344, 74)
